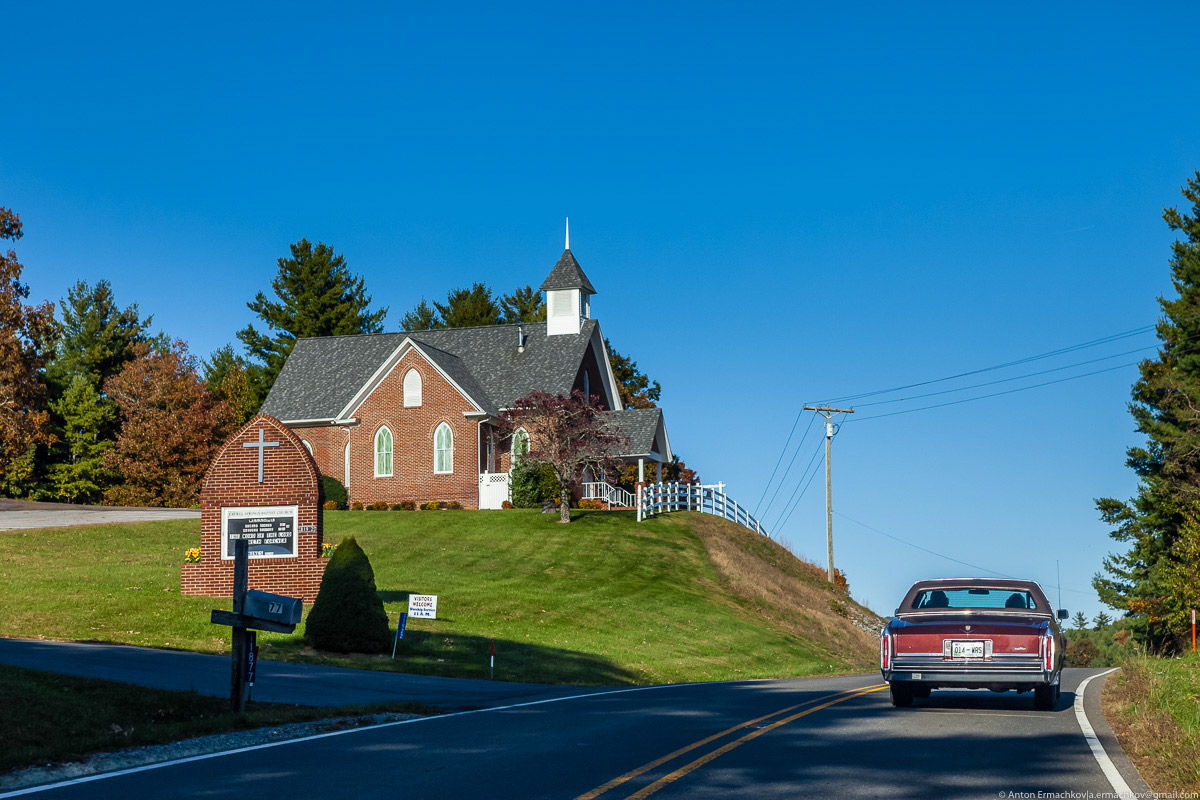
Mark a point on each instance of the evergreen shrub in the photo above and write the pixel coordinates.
(356, 506)
(335, 492)
(348, 616)
(432, 505)
(408, 505)
(533, 484)
(454, 505)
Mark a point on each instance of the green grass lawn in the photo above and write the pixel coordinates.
(604, 600)
(46, 717)
(1156, 714)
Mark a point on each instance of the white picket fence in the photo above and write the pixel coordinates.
(613, 495)
(658, 498)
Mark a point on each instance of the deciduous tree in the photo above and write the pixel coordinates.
(566, 433)
(317, 295)
(26, 335)
(171, 427)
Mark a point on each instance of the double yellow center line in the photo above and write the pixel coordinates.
(816, 705)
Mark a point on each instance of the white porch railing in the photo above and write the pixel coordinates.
(658, 498)
(613, 495)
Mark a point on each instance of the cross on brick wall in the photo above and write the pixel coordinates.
(262, 446)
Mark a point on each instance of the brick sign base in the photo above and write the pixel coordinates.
(289, 477)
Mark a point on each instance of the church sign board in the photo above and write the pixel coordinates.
(263, 487)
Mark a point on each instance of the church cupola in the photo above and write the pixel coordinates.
(568, 295)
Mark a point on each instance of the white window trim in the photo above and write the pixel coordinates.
(346, 465)
(449, 451)
(391, 452)
(420, 393)
(307, 446)
(512, 452)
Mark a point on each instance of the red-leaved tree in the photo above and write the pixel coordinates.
(568, 434)
(171, 427)
(26, 334)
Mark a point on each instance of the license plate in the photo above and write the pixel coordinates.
(966, 649)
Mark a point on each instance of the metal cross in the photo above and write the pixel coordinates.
(260, 444)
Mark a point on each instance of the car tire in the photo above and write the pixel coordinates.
(902, 696)
(1045, 697)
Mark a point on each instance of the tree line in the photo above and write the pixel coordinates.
(96, 407)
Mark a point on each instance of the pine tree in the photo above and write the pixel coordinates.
(635, 387)
(97, 337)
(26, 335)
(1079, 622)
(317, 296)
(469, 308)
(1166, 407)
(523, 305)
(1101, 620)
(421, 318)
(85, 416)
(226, 378)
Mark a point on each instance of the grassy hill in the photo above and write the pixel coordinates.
(681, 597)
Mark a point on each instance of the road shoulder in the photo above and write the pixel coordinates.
(1093, 707)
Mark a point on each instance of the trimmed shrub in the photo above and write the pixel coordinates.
(432, 505)
(408, 505)
(330, 505)
(380, 506)
(348, 616)
(533, 484)
(507, 504)
(454, 505)
(356, 506)
(335, 492)
(592, 505)
(397, 507)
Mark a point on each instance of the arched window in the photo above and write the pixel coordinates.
(307, 446)
(520, 446)
(412, 388)
(443, 449)
(383, 453)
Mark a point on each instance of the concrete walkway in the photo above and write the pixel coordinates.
(278, 681)
(23, 514)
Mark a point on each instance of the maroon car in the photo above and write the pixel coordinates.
(973, 633)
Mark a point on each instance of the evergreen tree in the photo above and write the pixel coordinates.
(317, 296)
(1166, 407)
(226, 376)
(1101, 620)
(348, 616)
(97, 336)
(26, 336)
(523, 305)
(1079, 621)
(421, 318)
(85, 416)
(469, 308)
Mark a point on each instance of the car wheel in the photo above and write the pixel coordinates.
(1045, 697)
(902, 696)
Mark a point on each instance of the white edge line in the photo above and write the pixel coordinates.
(1106, 765)
(147, 767)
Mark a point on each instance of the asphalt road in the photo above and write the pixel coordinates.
(830, 737)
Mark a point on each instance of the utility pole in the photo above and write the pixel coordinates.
(827, 413)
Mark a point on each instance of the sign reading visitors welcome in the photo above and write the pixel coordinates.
(422, 606)
(270, 531)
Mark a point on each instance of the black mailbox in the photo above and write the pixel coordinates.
(273, 607)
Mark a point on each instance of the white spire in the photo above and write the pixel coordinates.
(568, 233)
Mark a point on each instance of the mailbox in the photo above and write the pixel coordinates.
(273, 607)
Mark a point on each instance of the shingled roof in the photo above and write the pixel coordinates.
(322, 375)
(641, 427)
(567, 274)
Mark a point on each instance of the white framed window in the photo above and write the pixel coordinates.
(443, 449)
(383, 453)
(520, 446)
(307, 446)
(412, 388)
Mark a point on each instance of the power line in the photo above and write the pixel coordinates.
(1049, 354)
(782, 453)
(816, 450)
(796, 504)
(941, 555)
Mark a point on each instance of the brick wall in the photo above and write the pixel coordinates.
(290, 477)
(412, 430)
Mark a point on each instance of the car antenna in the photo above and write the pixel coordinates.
(1058, 571)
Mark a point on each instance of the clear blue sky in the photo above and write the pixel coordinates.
(778, 204)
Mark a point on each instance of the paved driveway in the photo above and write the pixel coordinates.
(18, 514)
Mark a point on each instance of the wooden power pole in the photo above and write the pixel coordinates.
(827, 413)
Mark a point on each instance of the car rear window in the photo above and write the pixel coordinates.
(973, 598)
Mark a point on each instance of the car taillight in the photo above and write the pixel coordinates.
(1048, 652)
(885, 650)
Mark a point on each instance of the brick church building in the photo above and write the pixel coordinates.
(412, 415)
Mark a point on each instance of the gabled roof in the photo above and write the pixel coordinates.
(644, 429)
(322, 375)
(567, 274)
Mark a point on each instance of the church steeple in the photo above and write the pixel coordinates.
(568, 294)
